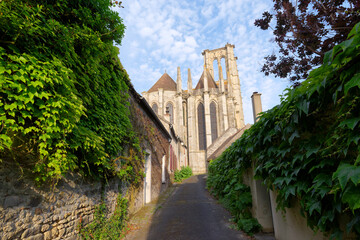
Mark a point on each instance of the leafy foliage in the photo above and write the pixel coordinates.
(307, 148)
(304, 31)
(63, 92)
(225, 182)
(184, 173)
(107, 228)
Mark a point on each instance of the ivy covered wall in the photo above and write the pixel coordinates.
(72, 132)
(307, 148)
(63, 93)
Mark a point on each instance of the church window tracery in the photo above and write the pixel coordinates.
(155, 108)
(170, 111)
(216, 70)
(201, 127)
(213, 120)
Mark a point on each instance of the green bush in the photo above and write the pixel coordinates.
(184, 173)
(307, 148)
(63, 92)
(225, 183)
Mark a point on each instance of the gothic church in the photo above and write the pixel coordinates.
(203, 117)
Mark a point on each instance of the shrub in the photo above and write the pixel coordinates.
(184, 173)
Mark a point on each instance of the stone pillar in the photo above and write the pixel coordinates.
(178, 81)
(229, 83)
(206, 85)
(222, 86)
(256, 105)
(192, 141)
(161, 111)
(234, 84)
(261, 206)
(207, 110)
(224, 111)
(178, 114)
(189, 83)
(207, 61)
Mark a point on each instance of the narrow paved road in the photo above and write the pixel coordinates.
(191, 214)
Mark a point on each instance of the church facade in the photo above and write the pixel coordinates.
(205, 116)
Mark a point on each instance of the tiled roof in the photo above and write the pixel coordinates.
(165, 82)
(210, 79)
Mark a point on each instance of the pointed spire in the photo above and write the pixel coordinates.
(165, 82)
(189, 86)
(178, 80)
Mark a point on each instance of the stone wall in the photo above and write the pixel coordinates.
(55, 211)
(31, 212)
(154, 138)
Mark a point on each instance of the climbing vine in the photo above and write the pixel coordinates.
(307, 148)
(63, 92)
(225, 182)
(102, 227)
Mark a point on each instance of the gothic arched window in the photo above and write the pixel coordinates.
(155, 108)
(213, 120)
(170, 111)
(223, 66)
(216, 69)
(184, 114)
(201, 126)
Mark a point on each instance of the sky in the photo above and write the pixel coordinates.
(161, 35)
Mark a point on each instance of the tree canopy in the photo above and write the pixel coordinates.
(304, 31)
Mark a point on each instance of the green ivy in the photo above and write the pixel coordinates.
(225, 182)
(307, 148)
(37, 109)
(107, 228)
(63, 91)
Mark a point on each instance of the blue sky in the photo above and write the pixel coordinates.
(162, 35)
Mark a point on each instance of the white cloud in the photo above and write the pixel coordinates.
(163, 35)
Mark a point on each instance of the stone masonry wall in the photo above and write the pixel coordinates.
(31, 212)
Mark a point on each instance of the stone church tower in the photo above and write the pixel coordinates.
(203, 117)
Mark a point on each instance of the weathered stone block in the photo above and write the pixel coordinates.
(47, 235)
(37, 219)
(54, 232)
(36, 237)
(9, 215)
(45, 227)
(62, 232)
(10, 227)
(31, 231)
(64, 221)
(12, 201)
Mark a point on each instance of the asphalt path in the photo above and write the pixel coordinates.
(190, 213)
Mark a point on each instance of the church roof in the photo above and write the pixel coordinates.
(165, 82)
(210, 79)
